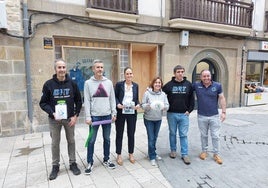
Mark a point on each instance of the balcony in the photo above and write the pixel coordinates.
(114, 10)
(219, 16)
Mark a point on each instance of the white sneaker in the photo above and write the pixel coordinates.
(109, 164)
(158, 158)
(153, 163)
(89, 169)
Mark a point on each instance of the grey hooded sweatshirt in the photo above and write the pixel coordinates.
(99, 98)
(149, 97)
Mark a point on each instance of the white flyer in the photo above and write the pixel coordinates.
(128, 108)
(61, 111)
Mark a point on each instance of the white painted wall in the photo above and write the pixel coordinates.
(258, 15)
(152, 7)
(75, 2)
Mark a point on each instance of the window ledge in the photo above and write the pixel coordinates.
(209, 27)
(111, 15)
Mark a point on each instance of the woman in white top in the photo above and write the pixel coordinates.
(127, 103)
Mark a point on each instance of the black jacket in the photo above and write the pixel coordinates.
(55, 90)
(120, 93)
(180, 95)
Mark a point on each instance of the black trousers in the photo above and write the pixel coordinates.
(131, 120)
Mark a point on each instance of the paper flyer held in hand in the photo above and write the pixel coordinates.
(61, 111)
(129, 108)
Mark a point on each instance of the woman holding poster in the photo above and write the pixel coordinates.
(127, 103)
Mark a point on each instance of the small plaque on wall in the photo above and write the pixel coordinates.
(48, 43)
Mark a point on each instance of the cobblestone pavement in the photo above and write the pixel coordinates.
(244, 150)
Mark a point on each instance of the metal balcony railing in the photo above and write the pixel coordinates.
(124, 6)
(229, 12)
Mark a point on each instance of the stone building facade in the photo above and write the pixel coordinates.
(13, 103)
(150, 42)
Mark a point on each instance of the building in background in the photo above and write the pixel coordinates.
(228, 37)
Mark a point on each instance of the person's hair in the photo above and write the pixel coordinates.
(97, 61)
(178, 67)
(125, 69)
(57, 60)
(153, 81)
(204, 71)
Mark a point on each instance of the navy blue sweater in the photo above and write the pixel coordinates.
(180, 95)
(55, 90)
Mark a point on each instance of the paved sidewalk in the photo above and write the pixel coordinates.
(25, 160)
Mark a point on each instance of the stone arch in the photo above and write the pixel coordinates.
(217, 60)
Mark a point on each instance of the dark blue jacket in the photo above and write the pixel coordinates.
(55, 90)
(120, 93)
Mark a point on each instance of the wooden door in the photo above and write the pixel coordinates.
(144, 65)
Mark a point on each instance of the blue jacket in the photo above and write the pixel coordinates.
(120, 93)
(55, 90)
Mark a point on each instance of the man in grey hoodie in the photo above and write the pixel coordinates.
(100, 105)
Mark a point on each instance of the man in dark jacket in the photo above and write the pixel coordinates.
(61, 100)
(181, 100)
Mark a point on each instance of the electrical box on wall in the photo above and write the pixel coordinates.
(3, 15)
(184, 38)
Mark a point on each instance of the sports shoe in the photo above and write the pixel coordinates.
(75, 169)
(54, 172)
(89, 169)
(217, 159)
(173, 154)
(203, 155)
(158, 158)
(186, 160)
(109, 164)
(153, 163)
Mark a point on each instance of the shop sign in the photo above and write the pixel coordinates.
(257, 96)
(264, 45)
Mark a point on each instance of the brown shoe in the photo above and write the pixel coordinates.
(173, 154)
(119, 160)
(217, 159)
(131, 158)
(186, 160)
(203, 155)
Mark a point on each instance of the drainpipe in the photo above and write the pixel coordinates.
(26, 43)
(241, 76)
(161, 13)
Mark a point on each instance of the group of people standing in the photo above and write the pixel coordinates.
(105, 104)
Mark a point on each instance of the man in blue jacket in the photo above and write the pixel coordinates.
(61, 100)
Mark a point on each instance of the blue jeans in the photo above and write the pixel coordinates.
(152, 128)
(106, 131)
(180, 122)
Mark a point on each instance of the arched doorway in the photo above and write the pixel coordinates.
(214, 61)
(202, 65)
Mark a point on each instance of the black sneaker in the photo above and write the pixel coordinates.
(75, 169)
(108, 164)
(89, 169)
(54, 172)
